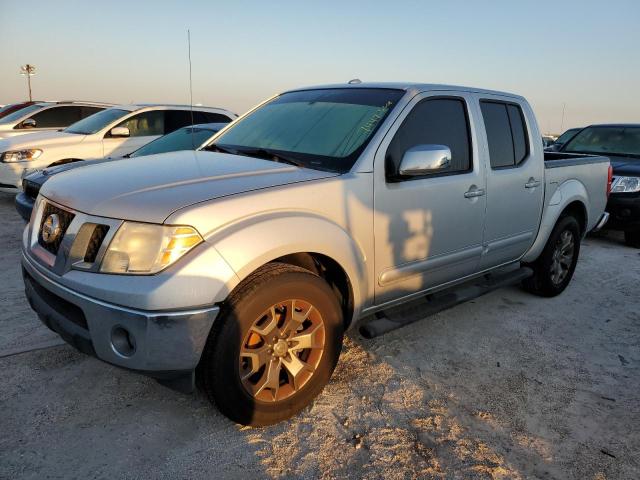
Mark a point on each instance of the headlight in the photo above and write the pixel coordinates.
(20, 155)
(145, 248)
(626, 185)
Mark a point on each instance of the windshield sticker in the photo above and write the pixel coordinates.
(376, 117)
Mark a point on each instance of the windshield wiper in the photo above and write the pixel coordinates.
(265, 154)
(216, 148)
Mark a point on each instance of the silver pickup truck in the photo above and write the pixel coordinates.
(241, 265)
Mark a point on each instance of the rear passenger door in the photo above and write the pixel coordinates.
(428, 228)
(515, 181)
(56, 117)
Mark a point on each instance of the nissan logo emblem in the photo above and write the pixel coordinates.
(51, 228)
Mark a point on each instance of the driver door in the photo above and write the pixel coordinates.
(428, 228)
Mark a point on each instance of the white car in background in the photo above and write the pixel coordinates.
(46, 116)
(113, 132)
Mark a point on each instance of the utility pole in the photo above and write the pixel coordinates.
(562, 121)
(28, 71)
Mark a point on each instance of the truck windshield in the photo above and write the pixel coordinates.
(325, 129)
(612, 140)
(97, 121)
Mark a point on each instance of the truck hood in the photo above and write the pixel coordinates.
(40, 140)
(625, 165)
(150, 188)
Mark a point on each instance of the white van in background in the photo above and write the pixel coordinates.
(113, 132)
(45, 116)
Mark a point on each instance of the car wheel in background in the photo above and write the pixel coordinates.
(632, 238)
(553, 270)
(273, 347)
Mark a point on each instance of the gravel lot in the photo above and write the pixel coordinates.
(507, 386)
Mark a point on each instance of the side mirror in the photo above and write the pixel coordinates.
(424, 159)
(119, 132)
(28, 123)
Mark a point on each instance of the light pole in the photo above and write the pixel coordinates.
(28, 71)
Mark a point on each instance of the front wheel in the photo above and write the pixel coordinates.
(274, 346)
(632, 238)
(553, 270)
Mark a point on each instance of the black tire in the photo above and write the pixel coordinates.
(632, 238)
(543, 282)
(219, 369)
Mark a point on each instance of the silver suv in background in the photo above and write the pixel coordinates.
(246, 261)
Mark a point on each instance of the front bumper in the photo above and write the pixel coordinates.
(11, 175)
(624, 210)
(24, 205)
(166, 345)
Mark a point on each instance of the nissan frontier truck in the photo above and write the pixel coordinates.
(242, 264)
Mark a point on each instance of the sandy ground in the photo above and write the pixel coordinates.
(507, 386)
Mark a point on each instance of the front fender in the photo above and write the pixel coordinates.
(567, 193)
(252, 243)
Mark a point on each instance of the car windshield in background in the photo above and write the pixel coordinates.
(566, 136)
(623, 141)
(96, 122)
(188, 138)
(18, 114)
(323, 129)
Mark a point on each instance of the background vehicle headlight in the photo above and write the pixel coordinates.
(144, 248)
(626, 185)
(20, 155)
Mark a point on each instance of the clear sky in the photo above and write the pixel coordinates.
(584, 53)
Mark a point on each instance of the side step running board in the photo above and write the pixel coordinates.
(445, 299)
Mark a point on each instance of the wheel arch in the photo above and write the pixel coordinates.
(318, 245)
(570, 198)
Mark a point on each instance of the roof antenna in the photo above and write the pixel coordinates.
(190, 88)
(355, 81)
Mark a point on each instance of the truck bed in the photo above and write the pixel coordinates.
(588, 172)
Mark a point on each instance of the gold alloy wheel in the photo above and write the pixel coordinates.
(281, 350)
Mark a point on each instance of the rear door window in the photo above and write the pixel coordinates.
(439, 121)
(210, 117)
(57, 117)
(175, 119)
(506, 133)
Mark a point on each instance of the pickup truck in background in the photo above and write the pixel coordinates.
(621, 143)
(243, 264)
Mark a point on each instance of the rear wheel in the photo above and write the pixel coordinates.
(553, 270)
(632, 238)
(274, 346)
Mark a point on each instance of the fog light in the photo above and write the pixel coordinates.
(123, 342)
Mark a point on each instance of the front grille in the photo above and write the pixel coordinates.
(97, 237)
(30, 189)
(65, 218)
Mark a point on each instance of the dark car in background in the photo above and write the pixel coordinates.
(186, 138)
(13, 107)
(562, 139)
(621, 143)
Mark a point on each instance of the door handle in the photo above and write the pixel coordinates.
(476, 192)
(532, 183)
